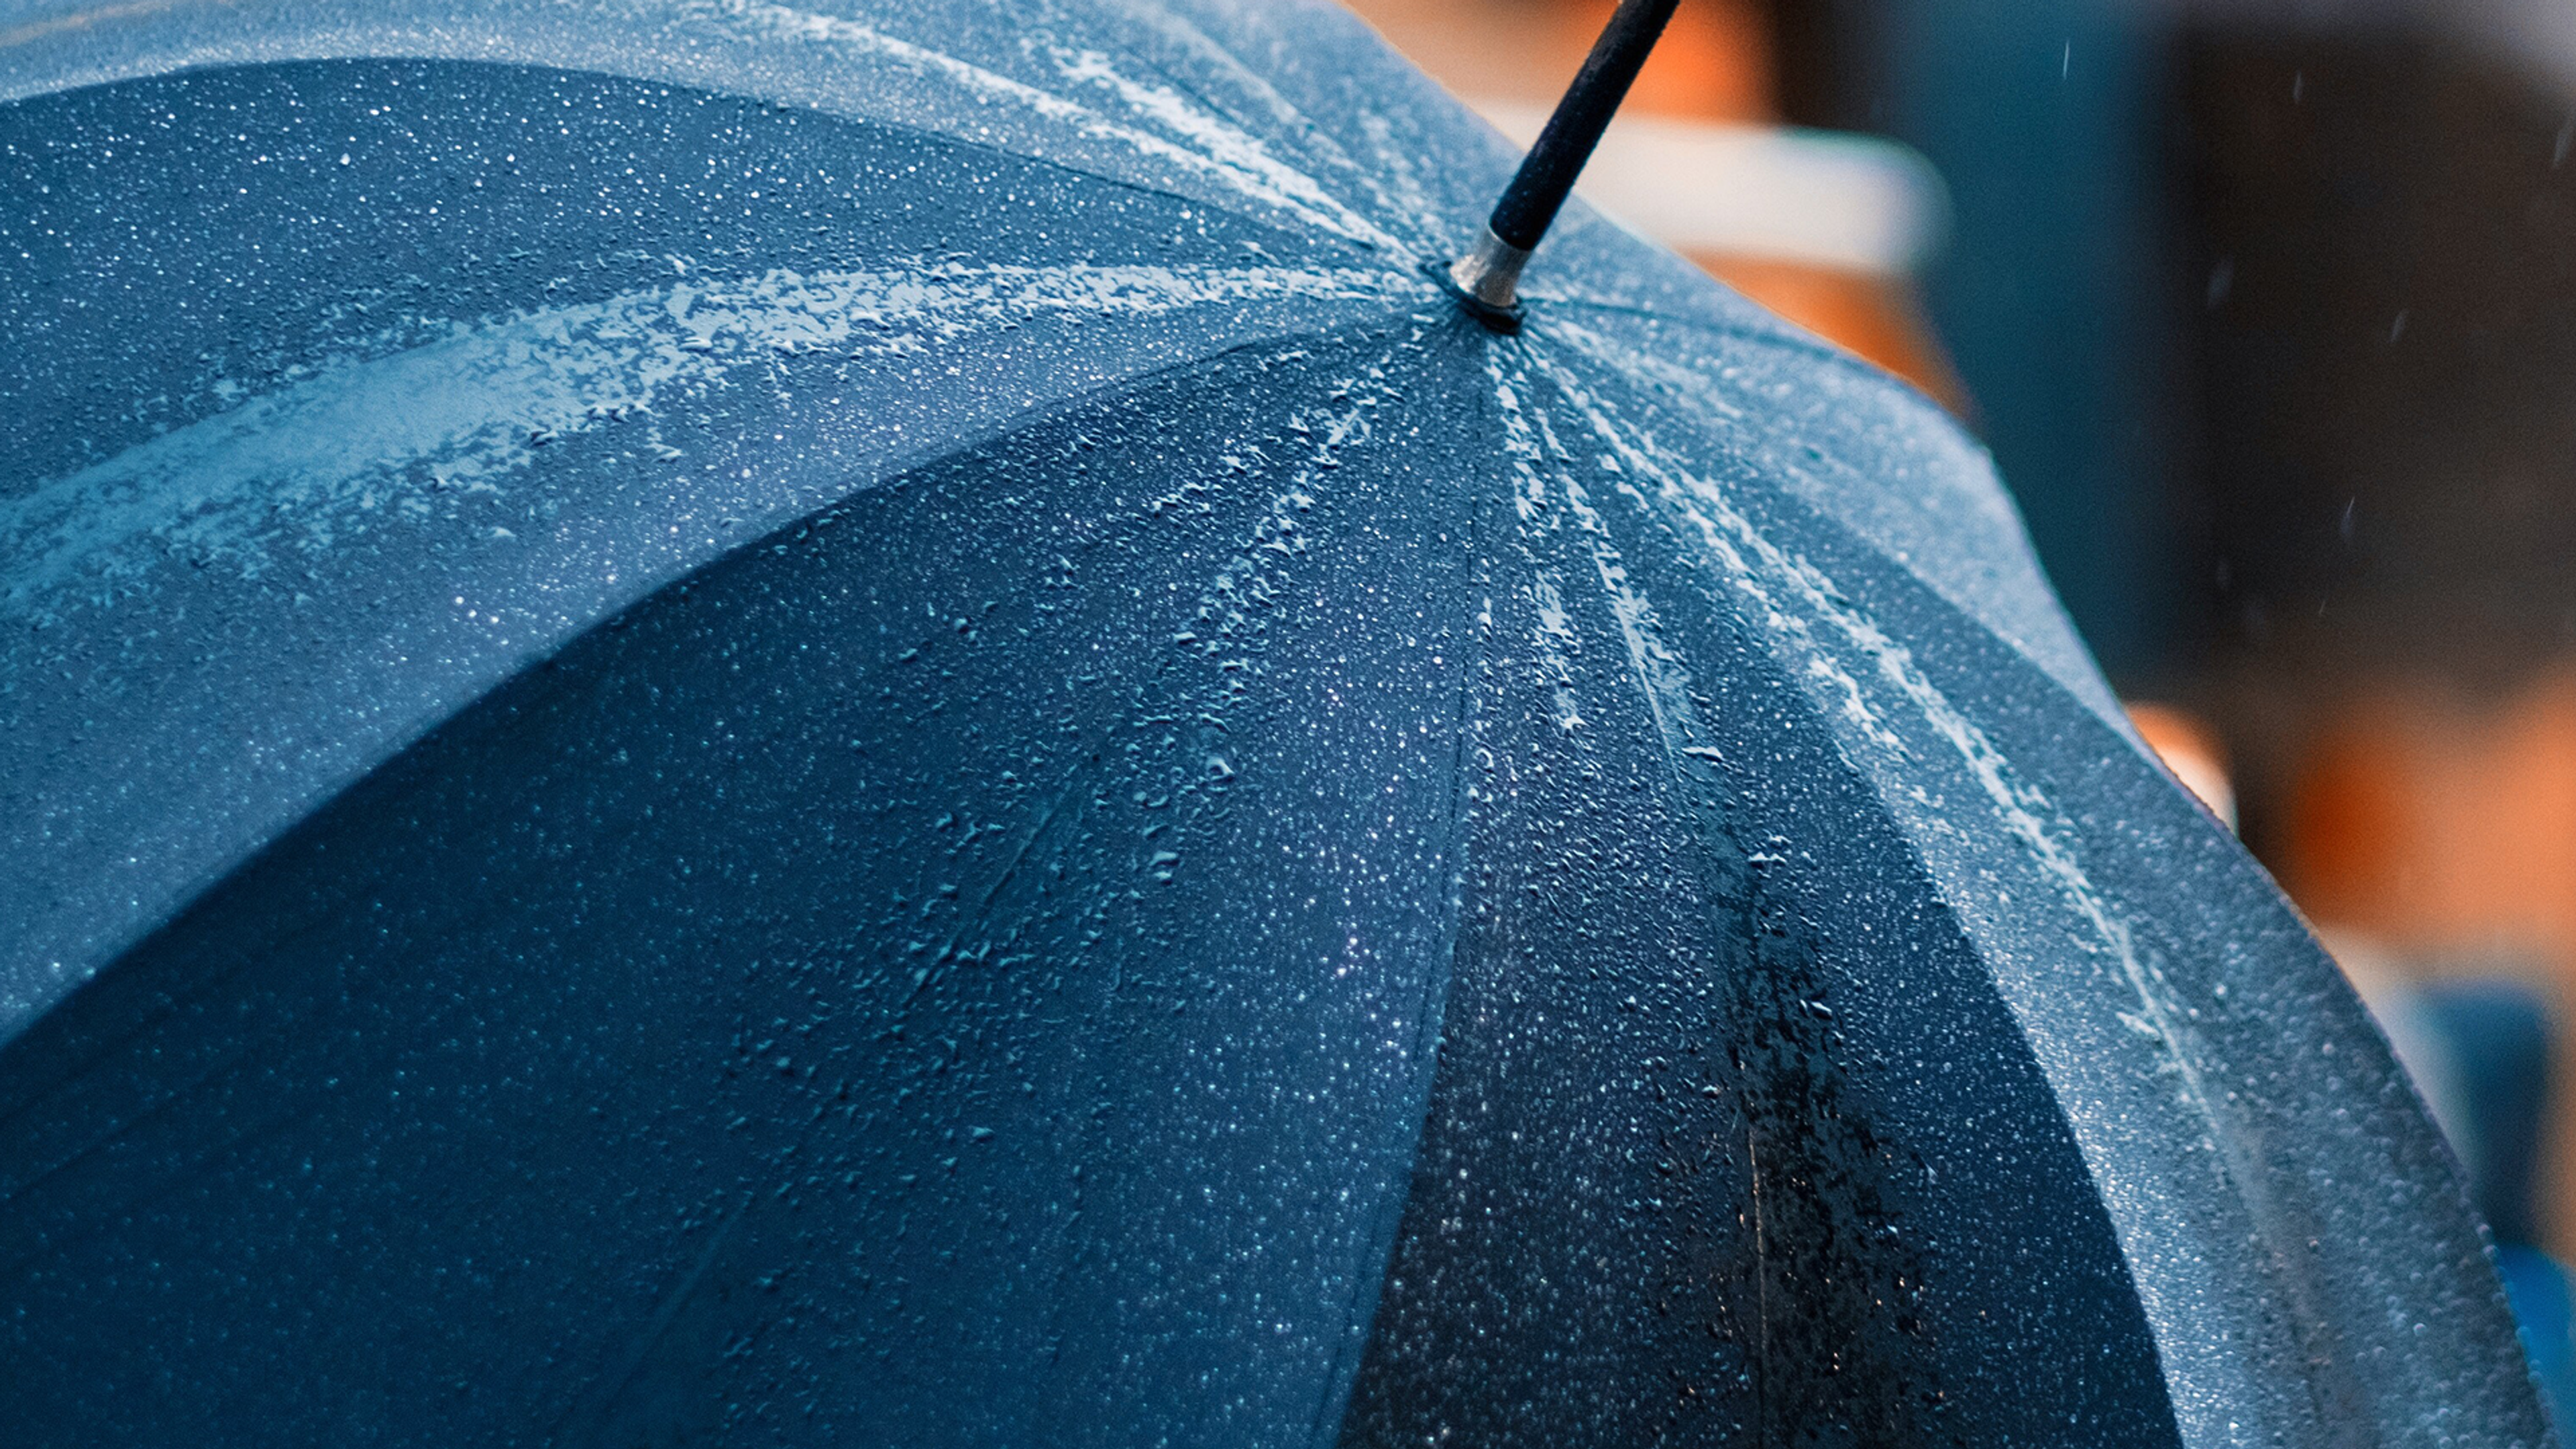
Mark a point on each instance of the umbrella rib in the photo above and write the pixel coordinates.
(1761, 1289)
(640, 1348)
(1357, 246)
(201, 988)
(1316, 136)
(264, 1131)
(988, 85)
(1791, 343)
(1843, 527)
(1431, 1010)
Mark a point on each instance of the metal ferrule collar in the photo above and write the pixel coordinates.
(1490, 275)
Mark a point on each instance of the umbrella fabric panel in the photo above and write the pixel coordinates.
(265, 445)
(277, 218)
(2336, 1202)
(967, 964)
(1732, 1137)
(2278, 1198)
(1876, 459)
(1188, 101)
(2213, 1067)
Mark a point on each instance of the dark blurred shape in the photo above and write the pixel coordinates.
(2053, 295)
(2383, 345)
(2496, 1034)
(2495, 1039)
(2385, 341)
(2537, 1287)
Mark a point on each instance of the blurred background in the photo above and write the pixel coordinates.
(2267, 309)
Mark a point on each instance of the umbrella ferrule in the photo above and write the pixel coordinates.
(1488, 280)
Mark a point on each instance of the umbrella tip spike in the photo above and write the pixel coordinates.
(1486, 280)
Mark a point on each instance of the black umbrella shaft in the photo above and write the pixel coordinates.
(1547, 174)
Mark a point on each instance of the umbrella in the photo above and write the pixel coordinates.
(867, 722)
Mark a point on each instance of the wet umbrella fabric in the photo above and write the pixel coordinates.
(743, 722)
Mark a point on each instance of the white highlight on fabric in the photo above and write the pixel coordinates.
(472, 403)
(2150, 1226)
(1230, 156)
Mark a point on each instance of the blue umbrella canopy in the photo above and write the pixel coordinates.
(867, 722)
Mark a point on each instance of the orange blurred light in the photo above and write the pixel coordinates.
(2443, 824)
(2192, 751)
